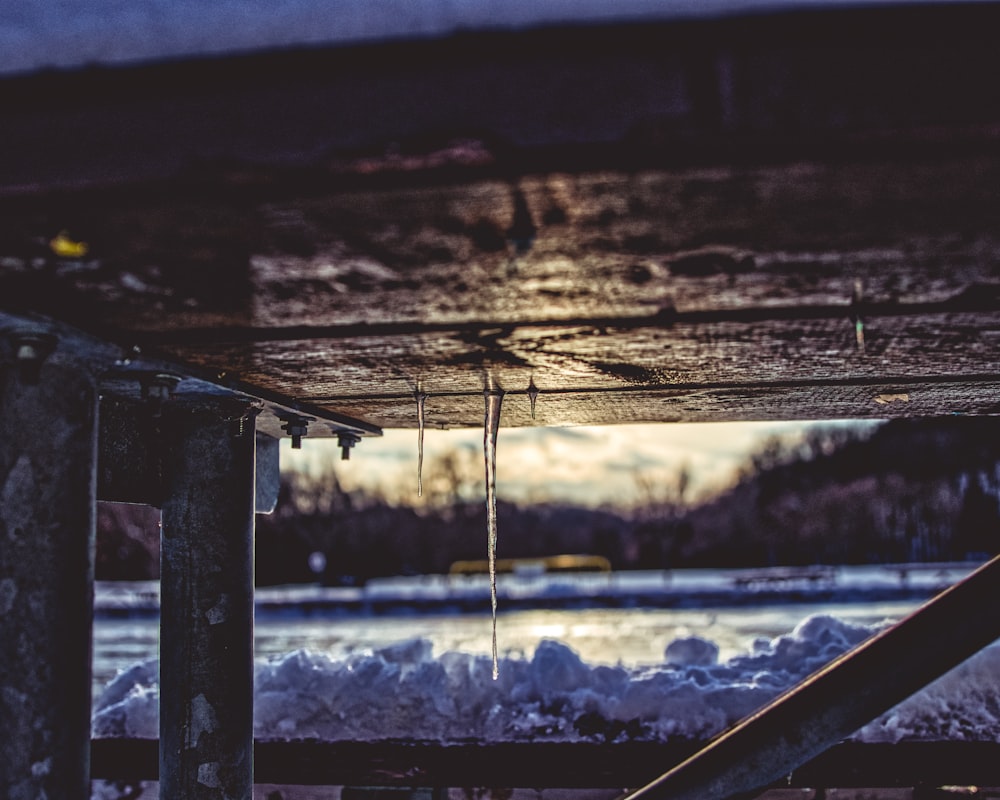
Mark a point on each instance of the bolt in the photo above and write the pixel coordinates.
(346, 441)
(31, 351)
(128, 355)
(158, 388)
(296, 427)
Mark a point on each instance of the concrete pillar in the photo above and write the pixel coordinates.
(48, 454)
(206, 617)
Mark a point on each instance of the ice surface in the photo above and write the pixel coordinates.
(687, 588)
(405, 691)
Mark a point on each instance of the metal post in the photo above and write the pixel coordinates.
(841, 697)
(48, 455)
(206, 617)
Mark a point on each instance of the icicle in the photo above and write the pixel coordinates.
(494, 401)
(421, 399)
(532, 395)
(859, 322)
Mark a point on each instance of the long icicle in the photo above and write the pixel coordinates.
(494, 402)
(421, 399)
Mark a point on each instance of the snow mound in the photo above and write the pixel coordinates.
(405, 692)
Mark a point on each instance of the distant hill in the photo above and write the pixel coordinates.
(913, 490)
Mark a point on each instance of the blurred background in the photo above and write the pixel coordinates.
(643, 497)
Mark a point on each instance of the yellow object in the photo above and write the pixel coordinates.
(564, 563)
(65, 247)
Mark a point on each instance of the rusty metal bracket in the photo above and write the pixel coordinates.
(132, 448)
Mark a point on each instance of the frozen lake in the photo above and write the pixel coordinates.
(733, 613)
(633, 637)
(332, 666)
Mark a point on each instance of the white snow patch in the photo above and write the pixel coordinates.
(405, 692)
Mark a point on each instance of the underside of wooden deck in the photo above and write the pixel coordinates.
(788, 217)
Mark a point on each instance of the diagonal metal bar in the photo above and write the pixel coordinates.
(840, 698)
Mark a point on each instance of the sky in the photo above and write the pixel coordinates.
(590, 466)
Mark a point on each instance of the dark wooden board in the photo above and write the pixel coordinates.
(768, 369)
(616, 244)
(778, 217)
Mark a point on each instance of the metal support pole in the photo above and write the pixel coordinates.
(841, 697)
(206, 617)
(48, 484)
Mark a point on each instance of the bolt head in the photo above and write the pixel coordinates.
(347, 440)
(159, 387)
(26, 351)
(30, 351)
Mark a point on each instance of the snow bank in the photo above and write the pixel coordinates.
(404, 691)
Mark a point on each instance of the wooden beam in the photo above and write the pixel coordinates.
(563, 765)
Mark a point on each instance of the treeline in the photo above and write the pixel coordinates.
(922, 490)
(914, 490)
(360, 536)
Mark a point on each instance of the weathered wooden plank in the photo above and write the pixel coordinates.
(663, 220)
(601, 244)
(572, 314)
(671, 367)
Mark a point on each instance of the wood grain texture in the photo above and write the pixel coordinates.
(547, 248)
(767, 218)
(813, 368)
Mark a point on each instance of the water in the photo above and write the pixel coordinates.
(494, 403)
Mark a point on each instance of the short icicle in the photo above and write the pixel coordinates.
(421, 399)
(494, 401)
(532, 395)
